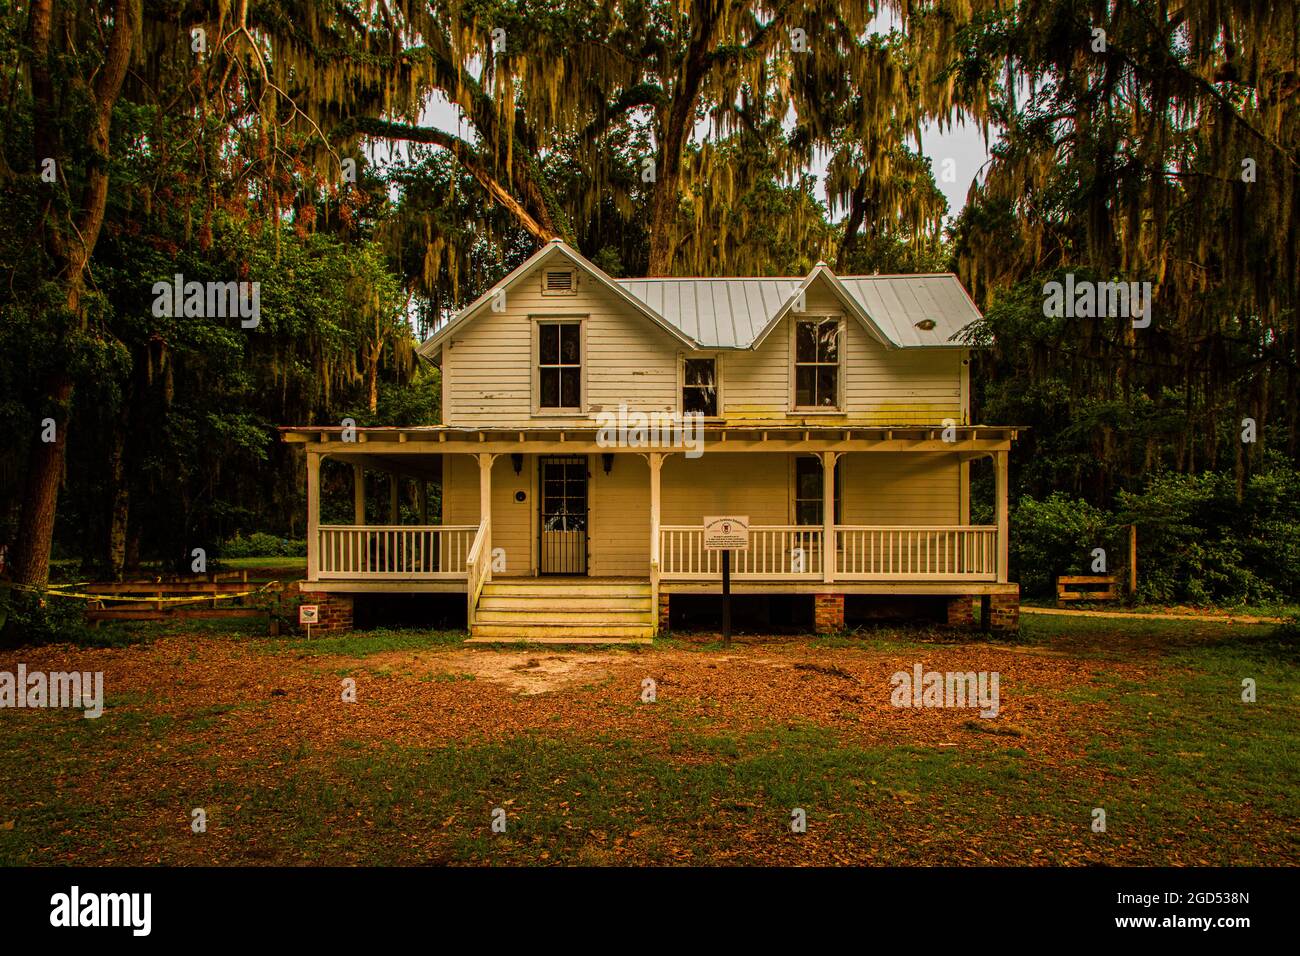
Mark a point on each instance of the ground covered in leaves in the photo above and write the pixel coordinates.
(1142, 720)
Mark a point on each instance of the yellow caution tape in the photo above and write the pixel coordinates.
(142, 598)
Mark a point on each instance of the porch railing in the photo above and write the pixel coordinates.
(916, 552)
(393, 552)
(782, 552)
(478, 568)
(862, 553)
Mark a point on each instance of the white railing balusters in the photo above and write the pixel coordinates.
(393, 552)
(861, 552)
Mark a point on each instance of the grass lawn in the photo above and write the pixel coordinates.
(1142, 719)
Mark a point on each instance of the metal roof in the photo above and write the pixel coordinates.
(717, 313)
(732, 313)
(738, 313)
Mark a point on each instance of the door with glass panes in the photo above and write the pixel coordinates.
(562, 526)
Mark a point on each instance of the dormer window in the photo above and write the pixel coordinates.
(700, 386)
(559, 282)
(817, 364)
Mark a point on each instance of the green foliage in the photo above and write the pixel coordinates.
(1198, 543)
(28, 617)
(1052, 537)
(262, 545)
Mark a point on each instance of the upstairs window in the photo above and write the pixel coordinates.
(559, 365)
(700, 386)
(817, 356)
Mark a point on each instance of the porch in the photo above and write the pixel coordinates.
(777, 553)
(509, 500)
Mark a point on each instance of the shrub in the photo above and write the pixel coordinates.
(1052, 537)
(1198, 543)
(263, 545)
(28, 617)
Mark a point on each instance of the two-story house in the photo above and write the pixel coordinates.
(591, 424)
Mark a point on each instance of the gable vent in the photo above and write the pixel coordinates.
(557, 281)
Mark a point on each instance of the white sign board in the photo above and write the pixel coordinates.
(726, 533)
(308, 614)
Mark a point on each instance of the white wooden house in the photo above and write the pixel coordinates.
(591, 424)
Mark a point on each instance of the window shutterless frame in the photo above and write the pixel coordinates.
(691, 379)
(559, 365)
(817, 356)
(806, 490)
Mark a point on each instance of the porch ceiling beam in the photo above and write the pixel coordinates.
(419, 436)
(980, 446)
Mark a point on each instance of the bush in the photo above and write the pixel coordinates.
(262, 545)
(1198, 543)
(1056, 536)
(27, 617)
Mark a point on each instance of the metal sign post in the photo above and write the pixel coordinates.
(726, 533)
(726, 598)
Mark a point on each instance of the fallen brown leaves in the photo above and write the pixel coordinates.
(236, 707)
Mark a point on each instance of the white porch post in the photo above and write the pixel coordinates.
(358, 494)
(485, 497)
(1004, 524)
(828, 515)
(656, 461)
(313, 515)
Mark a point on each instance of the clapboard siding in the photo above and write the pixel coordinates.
(719, 483)
(488, 374)
(620, 517)
(489, 361)
(903, 488)
(512, 521)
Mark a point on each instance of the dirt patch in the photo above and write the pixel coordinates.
(524, 673)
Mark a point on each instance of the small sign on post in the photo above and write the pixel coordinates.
(308, 614)
(726, 533)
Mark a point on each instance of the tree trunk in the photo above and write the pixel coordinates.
(676, 129)
(41, 491)
(373, 351)
(70, 240)
(857, 212)
(119, 498)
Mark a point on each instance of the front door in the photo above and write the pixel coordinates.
(562, 530)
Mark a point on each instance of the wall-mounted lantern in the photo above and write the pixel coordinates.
(517, 460)
(607, 459)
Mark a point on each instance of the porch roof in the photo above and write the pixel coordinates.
(580, 438)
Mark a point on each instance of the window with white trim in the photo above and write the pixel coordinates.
(700, 386)
(817, 363)
(559, 365)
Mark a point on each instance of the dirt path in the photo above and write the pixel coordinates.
(1154, 615)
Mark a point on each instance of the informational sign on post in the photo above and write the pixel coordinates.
(308, 614)
(726, 533)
